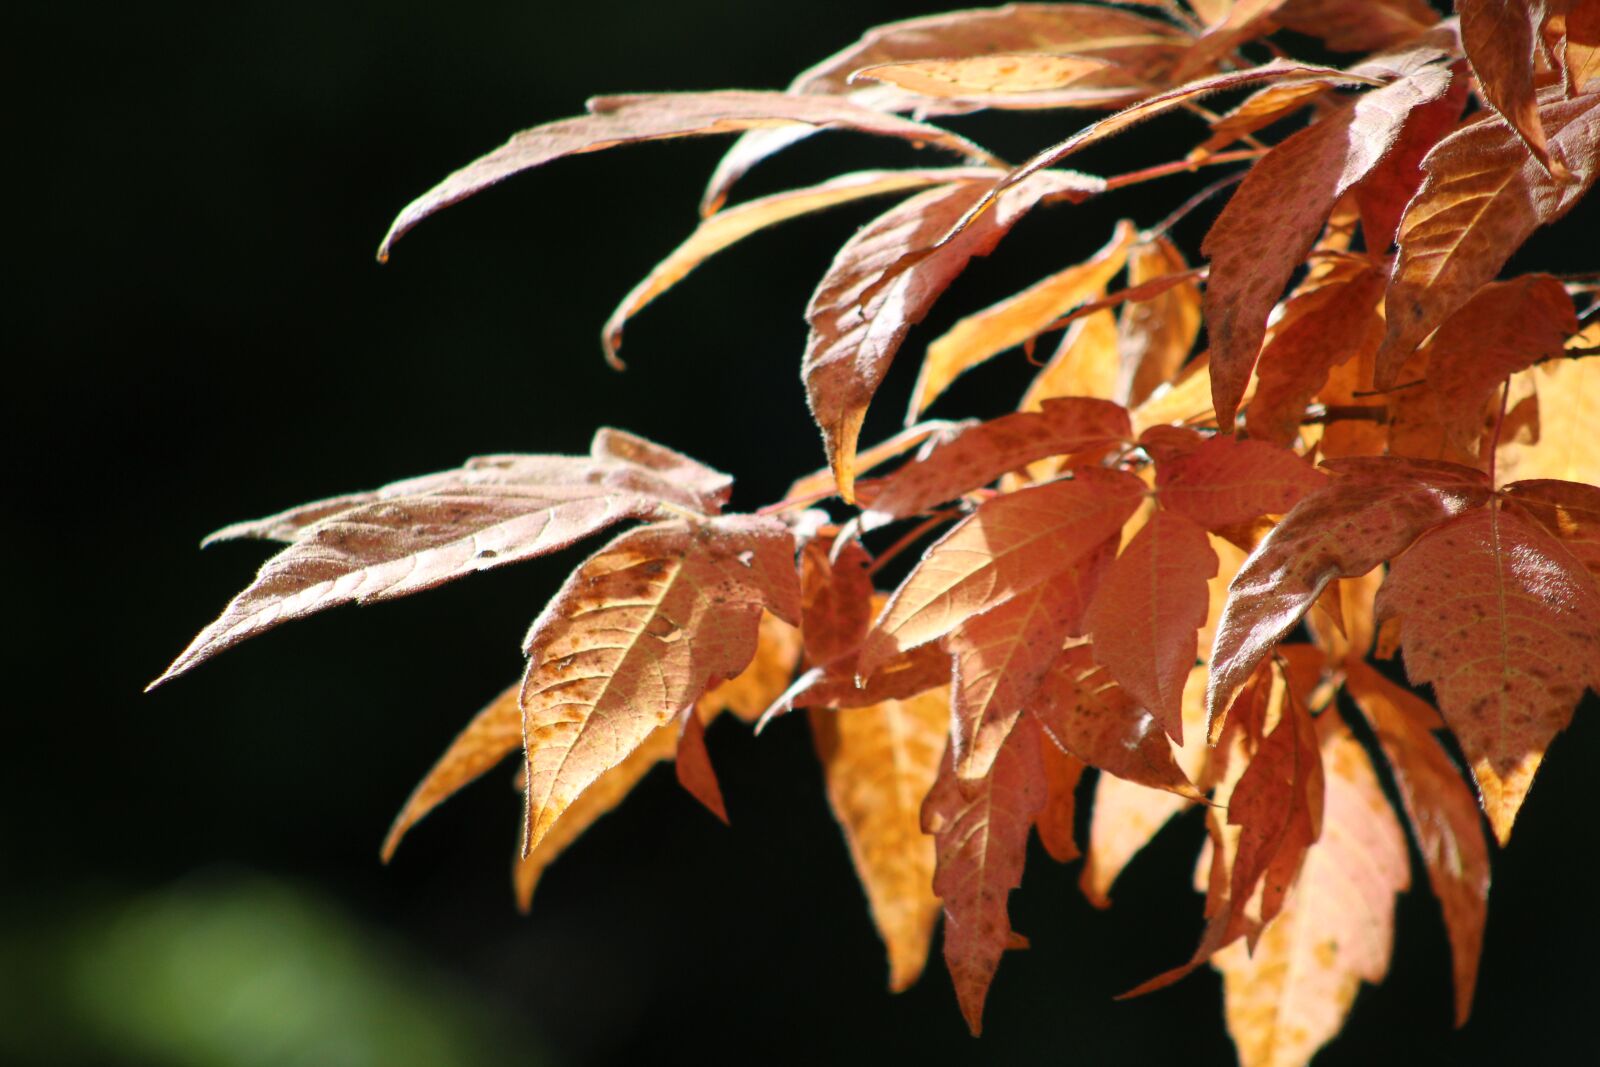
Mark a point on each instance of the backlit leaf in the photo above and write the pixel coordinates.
(1155, 335)
(1226, 481)
(1499, 39)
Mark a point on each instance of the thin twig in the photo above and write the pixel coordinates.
(916, 533)
(1181, 166)
(1160, 228)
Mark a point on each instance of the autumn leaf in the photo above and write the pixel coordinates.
(1498, 36)
(1504, 624)
(693, 764)
(1371, 511)
(1225, 481)
(1386, 190)
(1357, 25)
(1085, 364)
(878, 763)
(1566, 447)
(835, 598)
(978, 455)
(620, 120)
(904, 676)
(996, 73)
(1290, 995)
(423, 532)
(1156, 334)
(640, 631)
(1005, 547)
(753, 690)
(980, 834)
(1272, 220)
(1017, 319)
(1482, 198)
(1443, 813)
(1057, 820)
(1147, 611)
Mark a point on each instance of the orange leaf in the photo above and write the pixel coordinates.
(1384, 193)
(1226, 481)
(980, 833)
(1371, 511)
(1274, 218)
(729, 227)
(1290, 995)
(1567, 446)
(750, 692)
(620, 120)
(1086, 714)
(423, 532)
(882, 282)
(1147, 610)
(973, 77)
(978, 455)
(1482, 198)
(1155, 333)
(1016, 319)
(879, 762)
(1443, 813)
(1057, 820)
(1000, 658)
(1085, 364)
(906, 675)
(1009, 544)
(1498, 36)
(1357, 25)
(641, 630)
(1505, 625)
(835, 599)
(693, 764)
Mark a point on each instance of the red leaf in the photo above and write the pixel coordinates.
(693, 764)
(835, 599)
(1505, 625)
(1384, 193)
(1443, 813)
(1226, 481)
(1274, 218)
(1372, 510)
(1498, 36)
(1010, 544)
(1057, 820)
(980, 833)
(1568, 511)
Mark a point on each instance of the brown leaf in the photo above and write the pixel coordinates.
(980, 834)
(1016, 319)
(1357, 25)
(1498, 36)
(879, 762)
(978, 455)
(1009, 544)
(881, 283)
(1482, 198)
(1000, 658)
(727, 228)
(1371, 511)
(641, 630)
(1504, 623)
(1087, 714)
(1274, 218)
(1384, 193)
(1147, 611)
(423, 532)
(1290, 995)
(1226, 481)
(1057, 820)
(693, 764)
(620, 120)
(1443, 813)
(1156, 333)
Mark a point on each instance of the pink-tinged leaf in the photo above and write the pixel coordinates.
(1088, 715)
(492, 735)
(1482, 198)
(1322, 326)
(1384, 193)
(423, 532)
(1057, 820)
(693, 764)
(1504, 623)
(1357, 25)
(1506, 327)
(1568, 511)
(641, 630)
(1017, 319)
(878, 763)
(980, 834)
(882, 282)
(1227, 481)
(1147, 611)
(1443, 812)
(1272, 221)
(1000, 658)
(1009, 544)
(1159, 324)
(729, 227)
(835, 599)
(1290, 995)
(1125, 816)
(1498, 36)
(978, 455)
(620, 120)
(1371, 512)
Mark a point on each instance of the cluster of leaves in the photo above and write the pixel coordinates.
(1166, 564)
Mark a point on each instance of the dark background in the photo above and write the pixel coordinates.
(199, 334)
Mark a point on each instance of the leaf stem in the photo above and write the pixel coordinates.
(915, 534)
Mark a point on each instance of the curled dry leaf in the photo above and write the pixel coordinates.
(1503, 622)
(882, 282)
(619, 120)
(423, 532)
(878, 763)
(640, 631)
